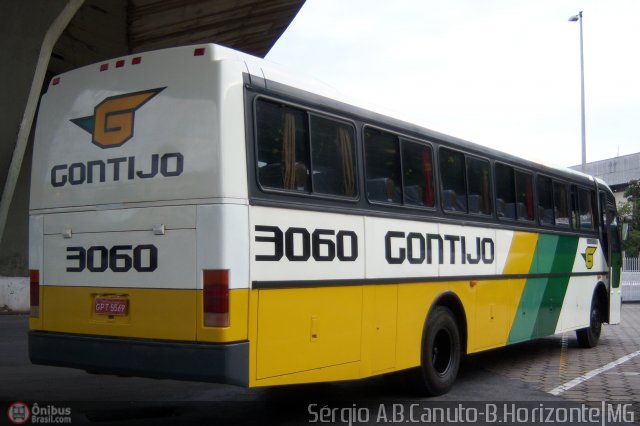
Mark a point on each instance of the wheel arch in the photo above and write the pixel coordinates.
(451, 301)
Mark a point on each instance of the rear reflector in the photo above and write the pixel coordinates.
(34, 292)
(120, 63)
(104, 67)
(56, 81)
(216, 298)
(136, 60)
(198, 51)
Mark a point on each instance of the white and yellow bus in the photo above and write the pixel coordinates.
(201, 214)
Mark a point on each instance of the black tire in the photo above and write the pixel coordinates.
(588, 337)
(441, 354)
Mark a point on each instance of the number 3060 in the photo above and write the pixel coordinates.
(142, 258)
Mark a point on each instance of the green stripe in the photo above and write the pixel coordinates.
(549, 311)
(541, 301)
(523, 325)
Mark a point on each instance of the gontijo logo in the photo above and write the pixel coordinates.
(112, 122)
(588, 256)
(111, 125)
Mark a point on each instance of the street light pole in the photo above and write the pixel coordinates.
(575, 18)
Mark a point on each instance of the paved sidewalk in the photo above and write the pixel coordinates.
(556, 360)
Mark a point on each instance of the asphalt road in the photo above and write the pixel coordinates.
(97, 399)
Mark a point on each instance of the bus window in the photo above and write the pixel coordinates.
(333, 157)
(560, 200)
(382, 156)
(574, 206)
(505, 196)
(479, 184)
(283, 150)
(545, 200)
(524, 195)
(452, 176)
(585, 211)
(417, 170)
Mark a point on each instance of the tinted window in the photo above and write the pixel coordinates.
(585, 209)
(479, 185)
(545, 200)
(560, 204)
(452, 173)
(382, 162)
(333, 157)
(524, 195)
(505, 192)
(283, 150)
(417, 168)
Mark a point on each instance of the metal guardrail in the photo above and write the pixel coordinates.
(631, 264)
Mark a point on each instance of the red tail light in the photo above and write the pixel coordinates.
(34, 292)
(216, 298)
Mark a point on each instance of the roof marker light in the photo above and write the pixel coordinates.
(199, 51)
(120, 63)
(104, 67)
(136, 60)
(55, 81)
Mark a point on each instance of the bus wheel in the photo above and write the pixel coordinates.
(588, 337)
(440, 352)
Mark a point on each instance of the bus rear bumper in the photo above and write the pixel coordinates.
(220, 363)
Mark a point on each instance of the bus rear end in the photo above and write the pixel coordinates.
(138, 229)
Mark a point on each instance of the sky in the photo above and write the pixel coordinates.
(501, 73)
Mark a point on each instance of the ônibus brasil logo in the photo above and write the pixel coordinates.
(111, 124)
(19, 413)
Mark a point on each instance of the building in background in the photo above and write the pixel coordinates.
(617, 172)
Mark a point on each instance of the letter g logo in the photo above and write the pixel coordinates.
(112, 123)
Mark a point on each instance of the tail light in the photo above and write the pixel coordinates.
(216, 298)
(34, 292)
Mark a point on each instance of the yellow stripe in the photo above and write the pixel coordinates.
(497, 301)
(164, 314)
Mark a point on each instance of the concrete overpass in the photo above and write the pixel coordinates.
(42, 38)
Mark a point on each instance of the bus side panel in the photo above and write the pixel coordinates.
(414, 302)
(306, 329)
(576, 307)
(298, 329)
(557, 302)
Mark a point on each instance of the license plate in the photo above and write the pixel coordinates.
(110, 306)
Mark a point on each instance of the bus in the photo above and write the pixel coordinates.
(198, 213)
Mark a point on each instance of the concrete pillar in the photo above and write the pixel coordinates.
(23, 26)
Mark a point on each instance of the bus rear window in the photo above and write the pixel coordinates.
(288, 136)
(283, 148)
